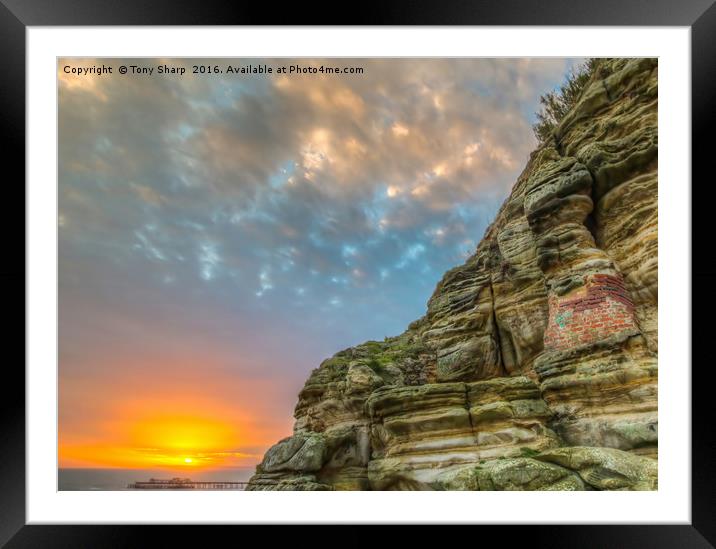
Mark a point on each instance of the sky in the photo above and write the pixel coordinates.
(220, 235)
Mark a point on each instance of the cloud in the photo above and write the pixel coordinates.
(273, 220)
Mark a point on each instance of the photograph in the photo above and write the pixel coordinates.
(357, 274)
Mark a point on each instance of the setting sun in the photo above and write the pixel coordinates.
(143, 437)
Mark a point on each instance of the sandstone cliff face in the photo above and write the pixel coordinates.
(535, 367)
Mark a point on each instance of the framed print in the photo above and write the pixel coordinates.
(288, 274)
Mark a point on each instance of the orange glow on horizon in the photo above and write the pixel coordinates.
(135, 435)
(178, 442)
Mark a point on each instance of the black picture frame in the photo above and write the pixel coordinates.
(699, 15)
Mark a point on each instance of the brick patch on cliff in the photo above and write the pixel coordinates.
(602, 308)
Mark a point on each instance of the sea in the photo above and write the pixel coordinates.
(118, 479)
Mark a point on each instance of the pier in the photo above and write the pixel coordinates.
(185, 484)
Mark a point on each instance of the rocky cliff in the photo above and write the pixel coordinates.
(535, 367)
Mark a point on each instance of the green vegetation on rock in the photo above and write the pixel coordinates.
(557, 103)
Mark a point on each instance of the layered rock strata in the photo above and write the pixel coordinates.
(535, 366)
